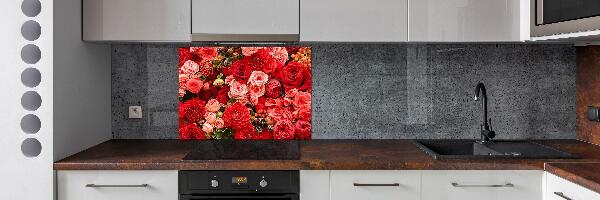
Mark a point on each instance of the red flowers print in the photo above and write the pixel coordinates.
(244, 93)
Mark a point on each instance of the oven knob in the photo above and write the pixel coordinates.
(214, 183)
(263, 183)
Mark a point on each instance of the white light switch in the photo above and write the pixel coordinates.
(135, 112)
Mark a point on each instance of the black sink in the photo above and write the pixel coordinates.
(469, 149)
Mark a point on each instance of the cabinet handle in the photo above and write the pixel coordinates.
(470, 186)
(115, 186)
(562, 195)
(376, 184)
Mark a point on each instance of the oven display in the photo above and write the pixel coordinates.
(239, 180)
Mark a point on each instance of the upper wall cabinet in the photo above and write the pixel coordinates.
(245, 20)
(354, 20)
(136, 20)
(468, 20)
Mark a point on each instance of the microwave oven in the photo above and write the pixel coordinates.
(554, 17)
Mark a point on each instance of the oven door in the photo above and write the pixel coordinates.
(241, 196)
(551, 17)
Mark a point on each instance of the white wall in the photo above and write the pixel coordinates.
(22, 177)
(81, 84)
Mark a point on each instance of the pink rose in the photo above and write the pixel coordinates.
(255, 93)
(207, 128)
(183, 79)
(181, 92)
(302, 99)
(190, 67)
(211, 117)
(213, 105)
(248, 51)
(291, 93)
(194, 85)
(280, 54)
(219, 123)
(229, 80)
(237, 90)
(258, 78)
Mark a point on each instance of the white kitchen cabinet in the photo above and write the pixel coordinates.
(468, 21)
(245, 20)
(314, 185)
(375, 185)
(117, 185)
(136, 20)
(482, 185)
(560, 189)
(354, 20)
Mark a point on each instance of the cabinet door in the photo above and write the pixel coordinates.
(482, 185)
(375, 185)
(136, 20)
(117, 185)
(245, 20)
(560, 189)
(314, 185)
(354, 20)
(468, 21)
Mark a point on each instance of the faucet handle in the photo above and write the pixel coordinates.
(490, 123)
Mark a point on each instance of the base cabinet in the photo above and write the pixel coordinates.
(482, 185)
(375, 185)
(560, 189)
(117, 185)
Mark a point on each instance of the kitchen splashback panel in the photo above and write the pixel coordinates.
(381, 91)
(244, 93)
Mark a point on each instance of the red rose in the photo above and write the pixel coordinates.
(292, 50)
(265, 135)
(246, 133)
(273, 88)
(194, 85)
(260, 106)
(193, 110)
(181, 108)
(262, 60)
(284, 130)
(304, 113)
(302, 130)
(302, 99)
(240, 70)
(222, 95)
(205, 54)
(184, 55)
(236, 116)
(209, 93)
(190, 131)
(295, 75)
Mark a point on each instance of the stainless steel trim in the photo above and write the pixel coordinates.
(492, 185)
(539, 12)
(566, 27)
(115, 186)
(376, 184)
(562, 195)
(209, 37)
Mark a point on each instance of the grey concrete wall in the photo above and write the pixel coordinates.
(377, 91)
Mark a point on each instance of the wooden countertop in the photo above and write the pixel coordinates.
(584, 174)
(314, 155)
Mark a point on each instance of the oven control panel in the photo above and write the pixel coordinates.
(235, 182)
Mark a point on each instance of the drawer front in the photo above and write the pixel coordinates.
(482, 185)
(117, 185)
(560, 189)
(375, 185)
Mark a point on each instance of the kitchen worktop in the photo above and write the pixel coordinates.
(584, 174)
(314, 155)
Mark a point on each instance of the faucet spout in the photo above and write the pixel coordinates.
(480, 94)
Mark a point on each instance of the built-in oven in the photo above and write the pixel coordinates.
(238, 185)
(552, 17)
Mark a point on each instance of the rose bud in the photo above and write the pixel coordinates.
(218, 82)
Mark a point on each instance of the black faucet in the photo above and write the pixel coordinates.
(487, 134)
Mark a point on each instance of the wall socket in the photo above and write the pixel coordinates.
(135, 112)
